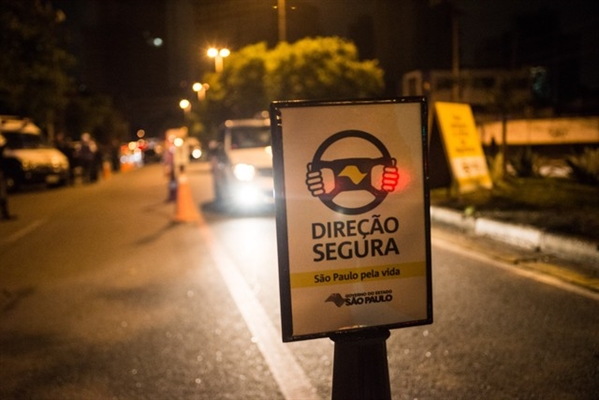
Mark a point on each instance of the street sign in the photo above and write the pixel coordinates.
(352, 213)
(462, 145)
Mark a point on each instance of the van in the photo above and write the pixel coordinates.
(28, 159)
(241, 163)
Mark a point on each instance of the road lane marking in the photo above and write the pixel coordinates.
(528, 273)
(24, 231)
(289, 375)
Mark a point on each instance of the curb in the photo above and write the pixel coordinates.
(521, 236)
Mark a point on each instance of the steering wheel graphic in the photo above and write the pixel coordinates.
(351, 173)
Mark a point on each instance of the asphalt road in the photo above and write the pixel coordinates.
(104, 297)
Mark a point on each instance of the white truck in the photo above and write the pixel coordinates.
(241, 163)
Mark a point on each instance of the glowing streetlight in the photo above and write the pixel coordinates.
(200, 89)
(218, 55)
(185, 105)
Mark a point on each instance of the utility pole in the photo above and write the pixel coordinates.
(282, 21)
(455, 53)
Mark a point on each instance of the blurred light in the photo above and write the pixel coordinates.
(141, 133)
(200, 89)
(248, 195)
(157, 42)
(184, 104)
(212, 52)
(405, 180)
(218, 55)
(178, 142)
(244, 172)
(196, 153)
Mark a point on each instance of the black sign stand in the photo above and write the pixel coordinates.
(360, 368)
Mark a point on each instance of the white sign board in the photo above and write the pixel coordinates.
(353, 224)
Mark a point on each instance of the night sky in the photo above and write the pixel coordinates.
(486, 19)
(112, 37)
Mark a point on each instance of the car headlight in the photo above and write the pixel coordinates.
(27, 165)
(244, 172)
(247, 194)
(57, 163)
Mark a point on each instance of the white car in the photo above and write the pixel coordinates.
(28, 158)
(242, 163)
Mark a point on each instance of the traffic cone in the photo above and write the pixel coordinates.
(185, 209)
(106, 170)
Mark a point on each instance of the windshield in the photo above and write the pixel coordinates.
(249, 137)
(16, 140)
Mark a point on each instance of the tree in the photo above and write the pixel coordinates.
(95, 114)
(506, 99)
(33, 66)
(321, 68)
(312, 68)
(238, 92)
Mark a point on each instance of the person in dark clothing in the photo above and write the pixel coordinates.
(3, 186)
(66, 148)
(87, 158)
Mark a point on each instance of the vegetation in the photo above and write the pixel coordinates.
(526, 194)
(33, 66)
(553, 204)
(505, 102)
(34, 75)
(312, 68)
(585, 167)
(97, 116)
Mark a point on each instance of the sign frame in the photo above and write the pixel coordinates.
(364, 106)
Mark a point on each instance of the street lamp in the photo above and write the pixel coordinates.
(281, 8)
(185, 105)
(218, 55)
(200, 89)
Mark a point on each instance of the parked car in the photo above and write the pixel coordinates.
(28, 158)
(242, 163)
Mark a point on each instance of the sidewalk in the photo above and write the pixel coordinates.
(522, 236)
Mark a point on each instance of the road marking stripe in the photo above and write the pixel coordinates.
(531, 274)
(289, 375)
(24, 231)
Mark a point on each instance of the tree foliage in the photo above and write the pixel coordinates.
(33, 66)
(312, 68)
(505, 99)
(34, 75)
(239, 90)
(94, 114)
(322, 68)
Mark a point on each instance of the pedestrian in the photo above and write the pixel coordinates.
(87, 158)
(65, 146)
(3, 186)
(169, 168)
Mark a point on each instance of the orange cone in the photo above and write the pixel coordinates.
(185, 210)
(106, 170)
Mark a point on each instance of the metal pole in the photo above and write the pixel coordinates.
(282, 20)
(360, 368)
(455, 53)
